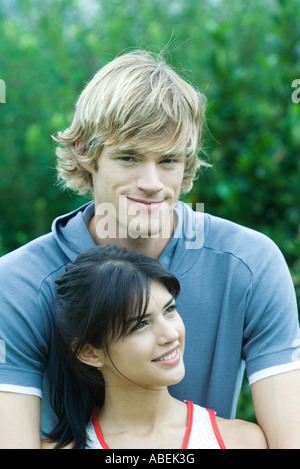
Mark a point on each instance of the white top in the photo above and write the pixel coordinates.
(202, 431)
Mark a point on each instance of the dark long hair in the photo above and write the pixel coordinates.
(97, 296)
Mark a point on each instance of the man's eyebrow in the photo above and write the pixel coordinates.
(136, 153)
(120, 151)
(174, 155)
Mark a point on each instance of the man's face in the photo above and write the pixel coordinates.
(137, 191)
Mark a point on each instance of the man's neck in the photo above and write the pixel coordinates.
(152, 246)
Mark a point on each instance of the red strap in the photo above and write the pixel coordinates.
(98, 430)
(189, 424)
(187, 435)
(216, 430)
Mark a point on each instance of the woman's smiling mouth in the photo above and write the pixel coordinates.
(170, 359)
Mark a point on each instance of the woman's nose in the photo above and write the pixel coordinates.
(167, 332)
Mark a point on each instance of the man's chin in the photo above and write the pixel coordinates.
(154, 227)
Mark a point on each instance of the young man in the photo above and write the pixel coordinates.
(133, 144)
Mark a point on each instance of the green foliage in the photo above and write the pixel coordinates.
(243, 55)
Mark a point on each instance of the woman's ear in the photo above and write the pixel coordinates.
(90, 356)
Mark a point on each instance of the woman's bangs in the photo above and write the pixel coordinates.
(130, 306)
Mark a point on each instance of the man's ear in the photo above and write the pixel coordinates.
(91, 356)
(80, 150)
(85, 166)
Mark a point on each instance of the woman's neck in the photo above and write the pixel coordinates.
(128, 410)
(152, 419)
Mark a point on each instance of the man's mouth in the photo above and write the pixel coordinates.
(148, 205)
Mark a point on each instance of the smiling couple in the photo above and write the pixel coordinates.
(130, 368)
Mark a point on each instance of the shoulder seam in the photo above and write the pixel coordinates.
(41, 288)
(230, 254)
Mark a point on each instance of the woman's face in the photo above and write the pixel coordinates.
(151, 355)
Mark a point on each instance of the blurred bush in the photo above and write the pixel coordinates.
(243, 55)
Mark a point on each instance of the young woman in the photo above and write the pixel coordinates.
(120, 344)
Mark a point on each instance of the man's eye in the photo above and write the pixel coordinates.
(127, 159)
(168, 160)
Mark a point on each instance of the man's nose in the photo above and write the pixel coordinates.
(149, 178)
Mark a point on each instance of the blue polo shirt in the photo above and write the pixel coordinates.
(237, 301)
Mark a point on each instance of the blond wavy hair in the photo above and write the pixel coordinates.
(138, 102)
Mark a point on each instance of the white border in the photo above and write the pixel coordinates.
(273, 370)
(21, 390)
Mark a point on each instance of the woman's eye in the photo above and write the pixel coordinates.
(139, 326)
(171, 309)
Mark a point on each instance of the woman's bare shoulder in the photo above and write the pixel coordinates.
(239, 434)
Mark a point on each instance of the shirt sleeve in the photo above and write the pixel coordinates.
(24, 324)
(271, 333)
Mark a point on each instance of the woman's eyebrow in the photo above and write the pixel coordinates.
(147, 315)
(135, 319)
(169, 302)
